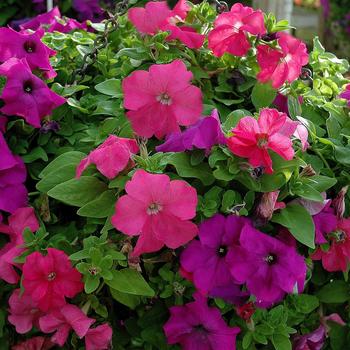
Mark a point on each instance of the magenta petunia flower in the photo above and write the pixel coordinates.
(63, 320)
(284, 64)
(111, 157)
(23, 312)
(204, 134)
(7, 160)
(206, 259)
(99, 338)
(25, 94)
(197, 326)
(35, 343)
(28, 46)
(346, 94)
(253, 138)
(49, 279)
(325, 222)
(157, 16)
(310, 341)
(158, 210)
(269, 267)
(161, 99)
(88, 9)
(230, 33)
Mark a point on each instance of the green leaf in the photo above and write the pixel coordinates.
(321, 183)
(299, 222)
(234, 117)
(78, 192)
(305, 303)
(35, 154)
(101, 207)
(263, 95)
(334, 292)
(281, 342)
(129, 300)
(110, 87)
(131, 282)
(91, 283)
(308, 192)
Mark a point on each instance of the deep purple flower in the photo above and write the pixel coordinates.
(325, 222)
(28, 46)
(206, 259)
(310, 341)
(269, 267)
(25, 94)
(346, 94)
(204, 134)
(88, 9)
(50, 125)
(197, 326)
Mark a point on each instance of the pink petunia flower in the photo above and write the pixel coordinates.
(23, 312)
(28, 46)
(35, 343)
(98, 338)
(63, 320)
(253, 138)
(49, 279)
(111, 157)
(161, 99)
(158, 210)
(17, 222)
(25, 94)
(269, 267)
(284, 64)
(346, 94)
(197, 326)
(157, 16)
(231, 29)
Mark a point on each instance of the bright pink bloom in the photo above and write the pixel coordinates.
(111, 157)
(158, 210)
(17, 222)
(231, 29)
(62, 320)
(161, 99)
(157, 16)
(35, 343)
(28, 46)
(337, 257)
(25, 94)
(284, 64)
(23, 312)
(346, 94)
(49, 279)
(98, 338)
(298, 130)
(253, 138)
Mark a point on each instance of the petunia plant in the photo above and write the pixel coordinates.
(174, 177)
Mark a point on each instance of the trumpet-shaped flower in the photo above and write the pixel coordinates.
(49, 279)
(25, 94)
(158, 210)
(111, 157)
(161, 99)
(230, 33)
(253, 138)
(99, 338)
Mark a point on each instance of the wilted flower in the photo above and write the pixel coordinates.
(50, 125)
(311, 341)
(158, 210)
(99, 338)
(266, 206)
(246, 311)
(338, 202)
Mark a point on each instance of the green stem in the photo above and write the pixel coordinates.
(322, 157)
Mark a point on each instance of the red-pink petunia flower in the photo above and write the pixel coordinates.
(157, 16)
(63, 320)
(98, 338)
(253, 138)
(25, 94)
(231, 28)
(23, 312)
(17, 222)
(49, 279)
(111, 157)
(35, 343)
(161, 99)
(28, 46)
(158, 210)
(284, 64)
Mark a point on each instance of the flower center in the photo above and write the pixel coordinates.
(271, 259)
(93, 270)
(262, 141)
(28, 86)
(237, 26)
(288, 58)
(154, 208)
(29, 46)
(164, 99)
(200, 329)
(339, 236)
(51, 276)
(222, 251)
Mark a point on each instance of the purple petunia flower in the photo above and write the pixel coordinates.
(346, 94)
(25, 94)
(204, 135)
(88, 9)
(206, 259)
(325, 222)
(269, 267)
(197, 326)
(28, 46)
(310, 341)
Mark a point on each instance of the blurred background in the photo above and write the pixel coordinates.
(328, 19)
